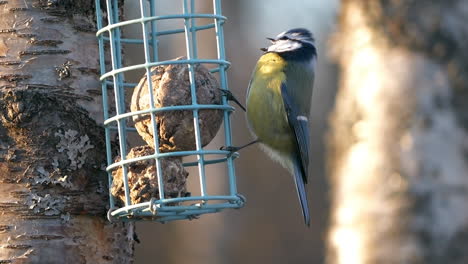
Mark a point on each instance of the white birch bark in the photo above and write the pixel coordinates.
(53, 191)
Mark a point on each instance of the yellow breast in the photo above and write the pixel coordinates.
(265, 109)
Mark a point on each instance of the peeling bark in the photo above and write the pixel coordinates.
(399, 134)
(42, 37)
(53, 189)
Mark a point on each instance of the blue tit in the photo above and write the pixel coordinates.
(278, 104)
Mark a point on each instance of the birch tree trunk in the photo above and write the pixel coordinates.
(399, 138)
(53, 190)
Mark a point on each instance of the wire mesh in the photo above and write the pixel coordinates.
(117, 122)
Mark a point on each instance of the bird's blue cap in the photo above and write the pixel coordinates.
(299, 34)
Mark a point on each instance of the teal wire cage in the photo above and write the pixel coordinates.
(118, 120)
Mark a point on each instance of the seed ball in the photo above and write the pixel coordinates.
(171, 86)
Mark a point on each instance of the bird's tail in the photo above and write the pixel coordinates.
(300, 187)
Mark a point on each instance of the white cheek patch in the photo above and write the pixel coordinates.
(284, 45)
(302, 118)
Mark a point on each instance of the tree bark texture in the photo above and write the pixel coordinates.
(53, 189)
(399, 137)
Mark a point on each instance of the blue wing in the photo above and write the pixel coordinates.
(300, 127)
(300, 158)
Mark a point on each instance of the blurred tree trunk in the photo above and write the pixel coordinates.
(399, 137)
(53, 191)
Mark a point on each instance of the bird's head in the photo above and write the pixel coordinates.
(297, 43)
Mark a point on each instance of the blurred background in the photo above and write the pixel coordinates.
(269, 229)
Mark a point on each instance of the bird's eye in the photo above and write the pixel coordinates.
(284, 38)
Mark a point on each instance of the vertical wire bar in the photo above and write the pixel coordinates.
(154, 39)
(105, 100)
(222, 75)
(153, 117)
(193, 32)
(201, 162)
(118, 89)
(118, 45)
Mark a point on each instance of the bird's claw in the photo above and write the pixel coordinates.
(231, 97)
(231, 149)
(192, 217)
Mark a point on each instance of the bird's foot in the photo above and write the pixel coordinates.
(233, 149)
(192, 217)
(231, 97)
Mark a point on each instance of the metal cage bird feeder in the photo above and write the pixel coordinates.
(118, 121)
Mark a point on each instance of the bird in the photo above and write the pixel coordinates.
(278, 104)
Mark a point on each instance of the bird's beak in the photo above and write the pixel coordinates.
(266, 49)
(270, 39)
